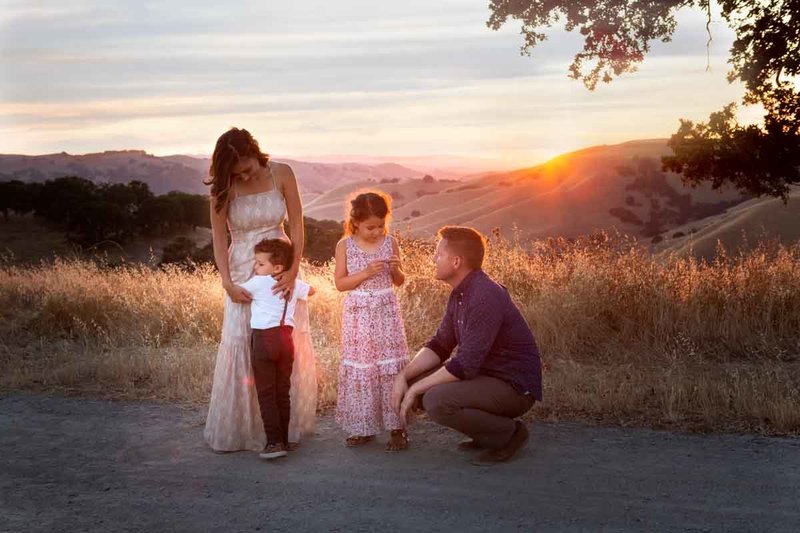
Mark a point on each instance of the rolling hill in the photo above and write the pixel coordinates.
(738, 228)
(600, 188)
(609, 187)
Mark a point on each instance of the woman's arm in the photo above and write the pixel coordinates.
(294, 211)
(342, 279)
(219, 240)
(286, 181)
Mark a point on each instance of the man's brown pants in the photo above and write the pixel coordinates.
(483, 408)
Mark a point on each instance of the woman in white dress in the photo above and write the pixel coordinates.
(251, 197)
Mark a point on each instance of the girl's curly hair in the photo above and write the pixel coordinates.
(365, 205)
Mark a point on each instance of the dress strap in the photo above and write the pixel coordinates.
(272, 175)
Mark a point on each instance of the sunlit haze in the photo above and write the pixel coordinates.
(319, 79)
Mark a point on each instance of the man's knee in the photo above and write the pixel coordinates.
(438, 404)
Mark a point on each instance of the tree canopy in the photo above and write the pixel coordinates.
(91, 213)
(765, 57)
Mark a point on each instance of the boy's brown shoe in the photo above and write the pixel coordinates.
(273, 451)
(501, 455)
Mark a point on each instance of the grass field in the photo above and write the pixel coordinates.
(625, 338)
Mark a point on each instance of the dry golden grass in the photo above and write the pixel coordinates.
(625, 338)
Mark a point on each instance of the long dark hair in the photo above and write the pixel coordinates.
(231, 146)
(365, 205)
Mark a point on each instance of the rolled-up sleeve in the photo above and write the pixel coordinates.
(444, 340)
(482, 321)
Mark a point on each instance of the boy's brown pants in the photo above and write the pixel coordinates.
(272, 358)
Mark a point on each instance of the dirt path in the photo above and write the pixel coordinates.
(87, 465)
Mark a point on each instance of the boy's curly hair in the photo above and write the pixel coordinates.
(280, 252)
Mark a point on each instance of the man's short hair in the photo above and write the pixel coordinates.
(466, 243)
(280, 252)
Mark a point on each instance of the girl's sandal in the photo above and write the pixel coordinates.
(398, 441)
(358, 440)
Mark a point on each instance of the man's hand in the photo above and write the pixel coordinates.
(407, 404)
(399, 390)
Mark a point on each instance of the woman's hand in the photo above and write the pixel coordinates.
(237, 294)
(285, 283)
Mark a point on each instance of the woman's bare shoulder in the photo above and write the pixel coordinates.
(283, 173)
(281, 168)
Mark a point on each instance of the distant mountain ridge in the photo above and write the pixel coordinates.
(122, 166)
(608, 187)
(179, 172)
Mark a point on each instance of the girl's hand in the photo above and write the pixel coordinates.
(395, 264)
(285, 283)
(375, 267)
(238, 294)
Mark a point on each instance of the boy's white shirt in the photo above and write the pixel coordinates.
(266, 308)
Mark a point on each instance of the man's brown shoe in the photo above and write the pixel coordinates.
(501, 455)
(469, 445)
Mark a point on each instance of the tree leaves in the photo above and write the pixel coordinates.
(765, 57)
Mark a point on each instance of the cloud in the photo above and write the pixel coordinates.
(348, 76)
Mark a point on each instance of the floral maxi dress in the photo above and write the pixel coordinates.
(374, 347)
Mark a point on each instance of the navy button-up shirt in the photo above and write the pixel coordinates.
(492, 336)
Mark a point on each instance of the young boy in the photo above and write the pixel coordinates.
(272, 353)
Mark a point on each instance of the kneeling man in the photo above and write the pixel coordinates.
(494, 376)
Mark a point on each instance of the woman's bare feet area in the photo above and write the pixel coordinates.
(398, 441)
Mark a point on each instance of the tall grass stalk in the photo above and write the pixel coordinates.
(625, 337)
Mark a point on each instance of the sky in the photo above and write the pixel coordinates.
(316, 78)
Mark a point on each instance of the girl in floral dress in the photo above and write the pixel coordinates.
(374, 347)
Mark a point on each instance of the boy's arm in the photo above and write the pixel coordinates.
(303, 289)
(251, 284)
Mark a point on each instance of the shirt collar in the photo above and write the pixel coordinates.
(467, 282)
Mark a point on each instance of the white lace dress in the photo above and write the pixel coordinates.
(234, 421)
